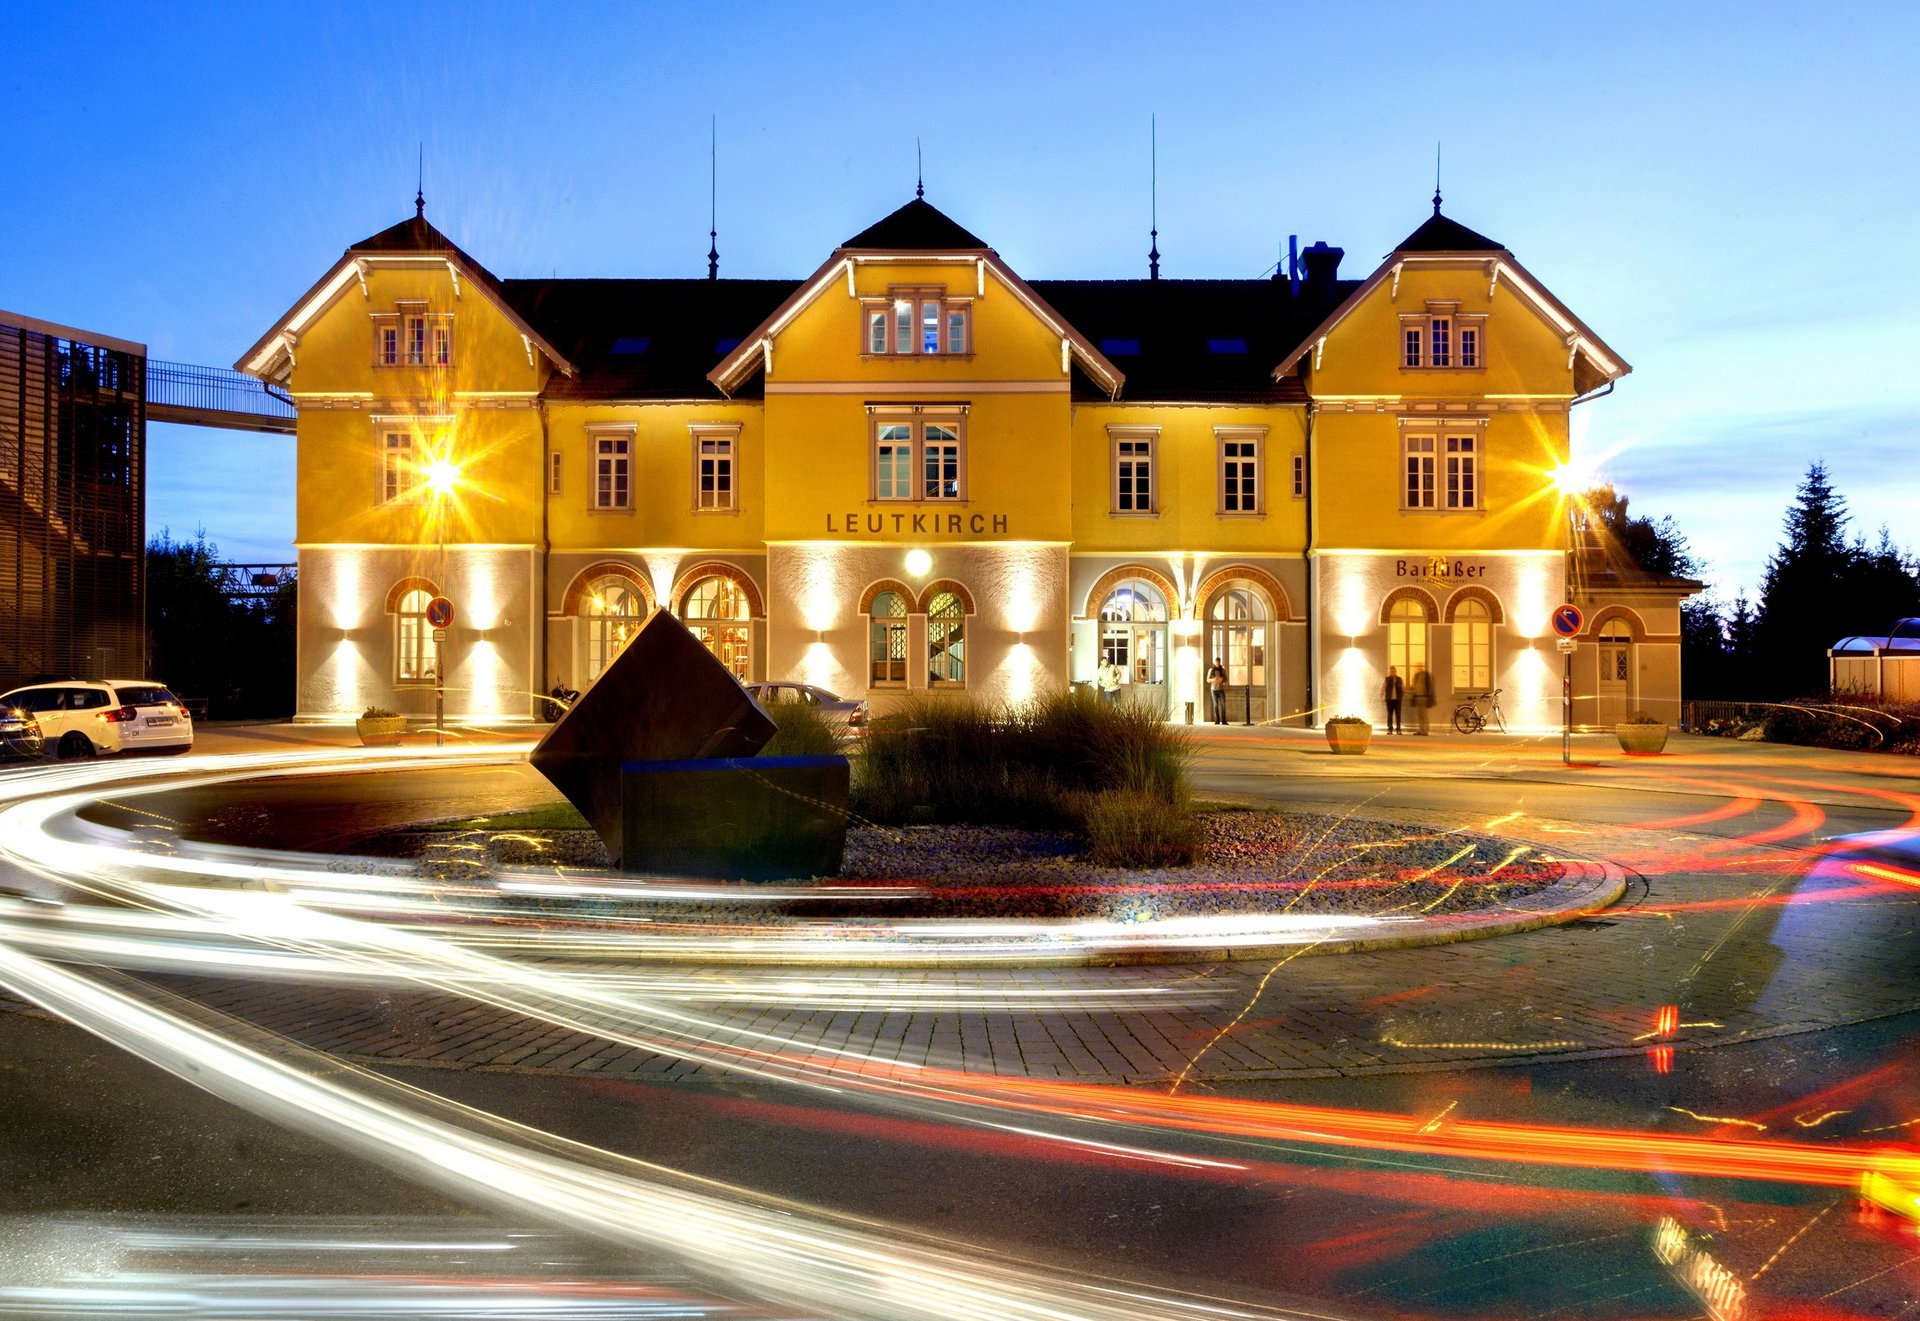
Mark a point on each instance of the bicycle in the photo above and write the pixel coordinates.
(1471, 716)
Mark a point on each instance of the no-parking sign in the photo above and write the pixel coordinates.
(440, 612)
(1567, 620)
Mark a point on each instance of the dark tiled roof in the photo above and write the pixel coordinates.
(1194, 340)
(919, 226)
(1441, 234)
(643, 339)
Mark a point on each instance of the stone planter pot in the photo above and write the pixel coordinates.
(380, 731)
(1349, 736)
(1642, 740)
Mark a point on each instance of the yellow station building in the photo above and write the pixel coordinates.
(916, 472)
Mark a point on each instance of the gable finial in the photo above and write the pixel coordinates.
(1153, 195)
(713, 192)
(1436, 178)
(919, 171)
(420, 185)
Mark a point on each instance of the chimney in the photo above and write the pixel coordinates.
(1323, 268)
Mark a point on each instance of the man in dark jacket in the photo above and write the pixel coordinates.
(1395, 690)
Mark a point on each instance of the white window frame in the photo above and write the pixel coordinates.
(1472, 646)
(1410, 637)
(900, 319)
(400, 475)
(917, 419)
(612, 449)
(1435, 340)
(413, 638)
(945, 631)
(1461, 451)
(718, 444)
(887, 633)
(386, 327)
(1130, 448)
(1256, 438)
(1419, 470)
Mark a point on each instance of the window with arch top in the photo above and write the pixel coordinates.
(1133, 633)
(716, 611)
(614, 612)
(1472, 646)
(946, 641)
(887, 639)
(1407, 623)
(415, 653)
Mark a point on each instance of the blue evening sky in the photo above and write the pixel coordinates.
(1726, 192)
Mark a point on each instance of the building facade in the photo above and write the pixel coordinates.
(915, 472)
(72, 503)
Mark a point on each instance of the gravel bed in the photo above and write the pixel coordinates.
(1253, 861)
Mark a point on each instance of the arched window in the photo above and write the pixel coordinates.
(614, 611)
(715, 610)
(1407, 635)
(946, 641)
(1133, 633)
(1472, 646)
(414, 650)
(887, 639)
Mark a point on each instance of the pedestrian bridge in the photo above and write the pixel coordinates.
(214, 397)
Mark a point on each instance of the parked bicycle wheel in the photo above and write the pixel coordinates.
(1468, 720)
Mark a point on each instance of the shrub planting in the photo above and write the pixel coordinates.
(1047, 763)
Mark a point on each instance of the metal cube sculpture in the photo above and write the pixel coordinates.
(658, 755)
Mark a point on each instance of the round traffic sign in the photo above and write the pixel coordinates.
(440, 612)
(1567, 620)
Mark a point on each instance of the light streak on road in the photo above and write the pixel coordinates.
(171, 904)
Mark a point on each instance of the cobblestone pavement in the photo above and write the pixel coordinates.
(1725, 917)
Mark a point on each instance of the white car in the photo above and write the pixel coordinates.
(849, 712)
(82, 717)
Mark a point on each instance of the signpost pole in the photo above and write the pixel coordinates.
(1567, 622)
(440, 618)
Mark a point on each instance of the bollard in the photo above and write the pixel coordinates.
(1189, 713)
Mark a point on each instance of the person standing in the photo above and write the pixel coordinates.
(1217, 691)
(1421, 691)
(1109, 682)
(1395, 691)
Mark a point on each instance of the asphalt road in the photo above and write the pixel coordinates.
(1288, 1224)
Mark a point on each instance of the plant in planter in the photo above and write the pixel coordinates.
(379, 727)
(1349, 734)
(1641, 734)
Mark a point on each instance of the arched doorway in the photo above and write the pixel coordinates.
(715, 610)
(1240, 637)
(1616, 671)
(610, 614)
(1133, 636)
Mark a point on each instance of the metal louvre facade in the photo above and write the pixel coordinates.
(72, 503)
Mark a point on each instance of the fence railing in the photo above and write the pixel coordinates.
(213, 396)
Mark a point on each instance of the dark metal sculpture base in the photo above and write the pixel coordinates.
(734, 818)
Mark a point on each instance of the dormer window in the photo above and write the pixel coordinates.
(920, 322)
(1442, 338)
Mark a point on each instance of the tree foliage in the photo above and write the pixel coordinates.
(237, 655)
(1655, 546)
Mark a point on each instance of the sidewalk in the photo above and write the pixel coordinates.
(214, 737)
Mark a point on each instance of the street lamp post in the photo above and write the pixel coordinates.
(443, 475)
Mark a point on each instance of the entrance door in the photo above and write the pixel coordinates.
(1133, 638)
(1239, 632)
(1616, 672)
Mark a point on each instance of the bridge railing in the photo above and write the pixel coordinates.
(213, 396)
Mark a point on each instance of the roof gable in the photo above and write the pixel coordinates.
(919, 226)
(412, 241)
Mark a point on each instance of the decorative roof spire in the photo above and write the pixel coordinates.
(713, 174)
(919, 172)
(1153, 195)
(1436, 178)
(420, 185)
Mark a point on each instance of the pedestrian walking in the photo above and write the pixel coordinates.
(1421, 691)
(1217, 691)
(1395, 692)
